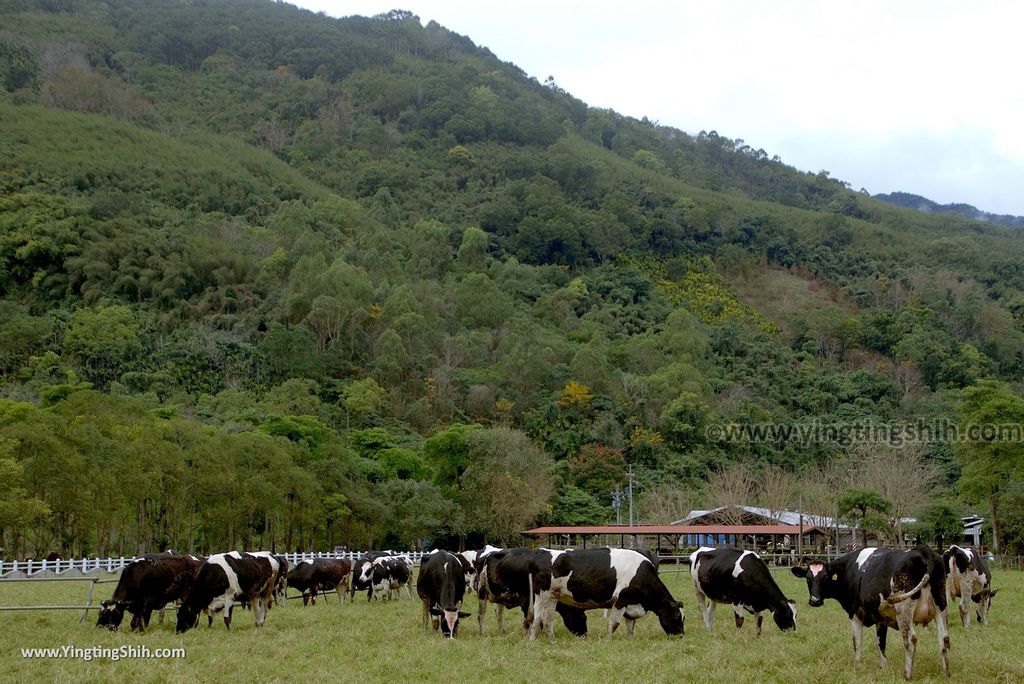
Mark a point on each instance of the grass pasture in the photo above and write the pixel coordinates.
(385, 642)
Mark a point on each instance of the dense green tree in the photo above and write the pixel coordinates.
(863, 506)
(991, 458)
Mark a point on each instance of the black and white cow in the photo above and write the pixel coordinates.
(886, 588)
(504, 579)
(470, 557)
(968, 577)
(742, 579)
(225, 578)
(390, 574)
(620, 579)
(362, 573)
(441, 586)
(280, 567)
(320, 575)
(148, 584)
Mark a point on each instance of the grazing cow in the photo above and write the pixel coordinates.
(280, 567)
(742, 579)
(225, 578)
(968, 576)
(148, 584)
(320, 575)
(885, 588)
(620, 579)
(441, 586)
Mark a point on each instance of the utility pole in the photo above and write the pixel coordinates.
(630, 473)
(800, 539)
(617, 504)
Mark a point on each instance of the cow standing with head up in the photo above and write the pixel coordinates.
(148, 584)
(362, 572)
(389, 575)
(503, 577)
(968, 577)
(441, 586)
(620, 579)
(742, 579)
(884, 588)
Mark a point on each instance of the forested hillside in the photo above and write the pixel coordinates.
(270, 278)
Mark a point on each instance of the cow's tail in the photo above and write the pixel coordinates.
(895, 598)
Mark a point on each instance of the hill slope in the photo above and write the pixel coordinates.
(360, 280)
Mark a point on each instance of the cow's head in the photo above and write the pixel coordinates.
(449, 619)
(111, 614)
(819, 578)
(672, 618)
(984, 600)
(785, 616)
(188, 617)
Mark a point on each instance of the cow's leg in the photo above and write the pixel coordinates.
(481, 611)
(760, 619)
(341, 596)
(737, 612)
(857, 627)
(965, 600)
(499, 612)
(259, 607)
(209, 617)
(137, 624)
(160, 617)
(543, 615)
(881, 631)
(942, 629)
(630, 624)
(408, 590)
(614, 618)
(707, 608)
(426, 612)
(146, 615)
(227, 615)
(905, 620)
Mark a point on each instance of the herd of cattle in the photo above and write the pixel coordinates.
(884, 588)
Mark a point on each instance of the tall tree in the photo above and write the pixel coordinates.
(863, 506)
(991, 457)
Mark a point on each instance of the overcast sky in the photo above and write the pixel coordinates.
(924, 97)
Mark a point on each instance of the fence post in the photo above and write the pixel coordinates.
(88, 600)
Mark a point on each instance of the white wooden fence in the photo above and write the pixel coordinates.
(87, 565)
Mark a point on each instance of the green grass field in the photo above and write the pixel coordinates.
(385, 642)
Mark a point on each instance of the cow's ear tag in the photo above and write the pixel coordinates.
(835, 576)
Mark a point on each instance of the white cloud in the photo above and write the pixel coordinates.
(927, 87)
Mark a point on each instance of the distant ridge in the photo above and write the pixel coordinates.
(911, 201)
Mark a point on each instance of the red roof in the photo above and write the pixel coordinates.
(673, 529)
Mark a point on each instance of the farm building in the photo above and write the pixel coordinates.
(680, 540)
